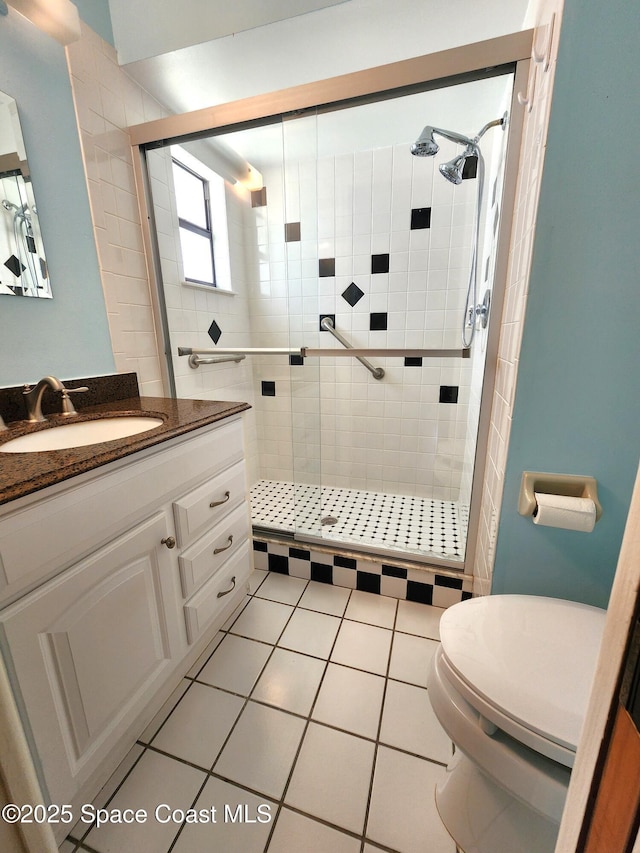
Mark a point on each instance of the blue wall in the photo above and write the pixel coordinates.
(67, 335)
(577, 407)
(96, 14)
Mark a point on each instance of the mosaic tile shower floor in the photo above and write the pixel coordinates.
(386, 523)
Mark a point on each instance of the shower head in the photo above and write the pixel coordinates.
(425, 145)
(453, 169)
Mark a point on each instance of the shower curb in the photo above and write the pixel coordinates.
(364, 572)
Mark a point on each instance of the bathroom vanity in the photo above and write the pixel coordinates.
(116, 570)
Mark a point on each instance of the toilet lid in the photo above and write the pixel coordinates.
(530, 657)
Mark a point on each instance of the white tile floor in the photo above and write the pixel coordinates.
(306, 725)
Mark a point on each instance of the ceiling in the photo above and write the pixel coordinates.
(140, 32)
(306, 47)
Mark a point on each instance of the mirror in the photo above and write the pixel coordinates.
(23, 266)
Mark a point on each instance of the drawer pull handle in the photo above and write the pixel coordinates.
(169, 541)
(226, 547)
(227, 591)
(227, 495)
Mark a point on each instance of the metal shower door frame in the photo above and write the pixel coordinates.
(436, 70)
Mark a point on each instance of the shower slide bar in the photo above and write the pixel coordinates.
(327, 325)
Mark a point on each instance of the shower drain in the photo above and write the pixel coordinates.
(329, 519)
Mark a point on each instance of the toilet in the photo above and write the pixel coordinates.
(510, 684)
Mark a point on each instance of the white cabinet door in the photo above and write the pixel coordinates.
(90, 647)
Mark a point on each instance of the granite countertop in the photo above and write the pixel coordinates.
(24, 473)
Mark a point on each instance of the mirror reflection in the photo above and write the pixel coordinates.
(23, 266)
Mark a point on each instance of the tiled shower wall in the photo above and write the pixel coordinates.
(197, 313)
(381, 243)
(108, 101)
(536, 122)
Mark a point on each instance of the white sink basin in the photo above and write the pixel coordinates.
(80, 434)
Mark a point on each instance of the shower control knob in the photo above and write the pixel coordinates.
(169, 541)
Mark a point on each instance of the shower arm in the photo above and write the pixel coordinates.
(452, 136)
(497, 122)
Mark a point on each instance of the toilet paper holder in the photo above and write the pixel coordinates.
(571, 485)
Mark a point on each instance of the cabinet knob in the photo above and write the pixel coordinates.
(169, 541)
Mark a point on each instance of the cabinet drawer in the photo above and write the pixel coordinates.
(203, 607)
(205, 506)
(207, 555)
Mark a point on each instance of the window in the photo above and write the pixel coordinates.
(194, 217)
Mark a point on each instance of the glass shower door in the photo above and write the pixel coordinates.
(303, 249)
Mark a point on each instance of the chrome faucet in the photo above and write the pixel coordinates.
(33, 398)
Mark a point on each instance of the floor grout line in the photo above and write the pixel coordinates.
(280, 803)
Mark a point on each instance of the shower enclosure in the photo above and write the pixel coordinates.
(350, 278)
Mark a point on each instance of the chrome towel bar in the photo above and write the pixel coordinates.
(311, 352)
(195, 360)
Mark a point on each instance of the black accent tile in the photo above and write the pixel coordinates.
(31, 245)
(260, 546)
(296, 360)
(44, 270)
(344, 562)
(380, 263)
(394, 572)
(422, 592)
(470, 168)
(448, 394)
(322, 573)
(352, 294)
(214, 331)
(466, 596)
(420, 217)
(299, 554)
(326, 267)
(15, 266)
(279, 564)
(366, 582)
(378, 321)
(332, 317)
(451, 583)
(268, 389)
(413, 362)
(292, 232)
(259, 197)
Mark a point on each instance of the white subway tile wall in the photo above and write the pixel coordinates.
(384, 249)
(536, 121)
(107, 101)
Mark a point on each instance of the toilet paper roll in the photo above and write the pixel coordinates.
(562, 511)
